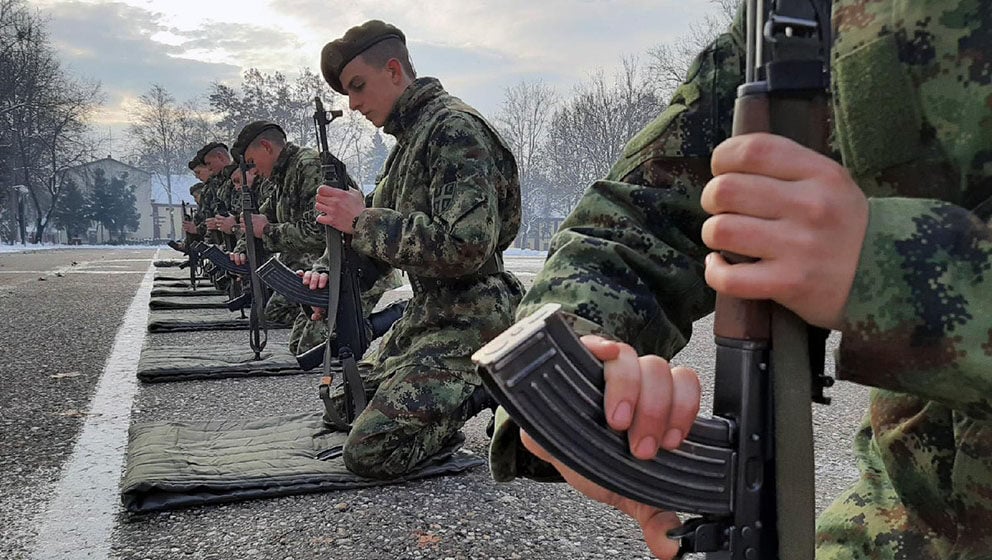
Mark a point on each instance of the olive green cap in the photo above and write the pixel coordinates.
(339, 52)
(248, 135)
(195, 188)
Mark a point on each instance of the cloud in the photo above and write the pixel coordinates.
(112, 43)
(477, 48)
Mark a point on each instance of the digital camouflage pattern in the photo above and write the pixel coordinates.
(448, 200)
(912, 86)
(286, 198)
(295, 233)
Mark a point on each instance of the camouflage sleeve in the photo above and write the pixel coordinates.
(303, 234)
(204, 210)
(917, 319)
(628, 261)
(461, 231)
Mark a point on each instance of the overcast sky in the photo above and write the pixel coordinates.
(477, 48)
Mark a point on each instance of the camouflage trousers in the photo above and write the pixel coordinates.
(306, 333)
(279, 312)
(412, 414)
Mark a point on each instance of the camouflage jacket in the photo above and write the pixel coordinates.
(205, 208)
(912, 116)
(447, 202)
(289, 206)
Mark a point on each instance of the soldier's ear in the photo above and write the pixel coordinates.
(395, 69)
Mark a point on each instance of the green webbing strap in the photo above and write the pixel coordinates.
(795, 472)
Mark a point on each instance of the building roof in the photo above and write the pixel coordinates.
(116, 162)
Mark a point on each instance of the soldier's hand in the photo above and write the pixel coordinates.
(654, 403)
(338, 208)
(225, 223)
(314, 281)
(797, 211)
(655, 523)
(258, 223)
(238, 258)
(189, 227)
(211, 223)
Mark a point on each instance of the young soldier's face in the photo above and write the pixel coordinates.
(372, 91)
(217, 160)
(202, 173)
(263, 155)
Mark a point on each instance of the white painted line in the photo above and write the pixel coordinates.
(80, 519)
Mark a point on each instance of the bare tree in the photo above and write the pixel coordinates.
(524, 121)
(166, 134)
(670, 62)
(291, 105)
(43, 110)
(589, 131)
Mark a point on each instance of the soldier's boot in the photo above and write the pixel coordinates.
(478, 401)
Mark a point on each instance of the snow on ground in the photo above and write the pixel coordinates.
(18, 248)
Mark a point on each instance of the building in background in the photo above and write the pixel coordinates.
(163, 210)
(152, 201)
(83, 175)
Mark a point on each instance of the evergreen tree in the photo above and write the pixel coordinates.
(379, 153)
(113, 203)
(72, 213)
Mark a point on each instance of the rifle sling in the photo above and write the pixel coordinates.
(795, 471)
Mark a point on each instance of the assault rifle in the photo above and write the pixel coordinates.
(193, 257)
(769, 364)
(258, 333)
(286, 283)
(347, 339)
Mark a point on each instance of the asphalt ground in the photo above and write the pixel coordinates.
(56, 342)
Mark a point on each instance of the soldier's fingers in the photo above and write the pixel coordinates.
(327, 190)
(744, 235)
(653, 404)
(303, 275)
(600, 347)
(623, 386)
(314, 281)
(655, 524)
(751, 195)
(323, 279)
(324, 219)
(685, 406)
(535, 448)
(767, 154)
(757, 280)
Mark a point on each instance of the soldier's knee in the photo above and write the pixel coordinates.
(375, 457)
